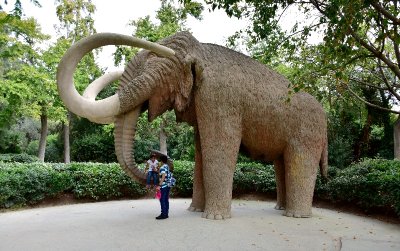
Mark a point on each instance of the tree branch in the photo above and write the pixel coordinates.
(374, 51)
(317, 5)
(370, 104)
(386, 13)
(396, 36)
(297, 32)
(366, 84)
(386, 81)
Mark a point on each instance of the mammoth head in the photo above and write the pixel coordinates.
(163, 82)
(161, 77)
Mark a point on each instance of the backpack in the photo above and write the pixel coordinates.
(171, 181)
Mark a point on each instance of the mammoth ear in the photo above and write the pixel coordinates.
(191, 75)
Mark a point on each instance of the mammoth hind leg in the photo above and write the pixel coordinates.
(280, 184)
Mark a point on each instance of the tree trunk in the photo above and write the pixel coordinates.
(163, 139)
(363, 142)
(43, 137)
(67, 151)
(396, 135)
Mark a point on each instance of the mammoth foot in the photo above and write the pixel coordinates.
(196, 206)
(215, 216)
(195, 209)
(296, 214)
(279, 207)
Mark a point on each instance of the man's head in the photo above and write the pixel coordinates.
(163, 158)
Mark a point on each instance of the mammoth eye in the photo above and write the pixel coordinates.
(152, 55)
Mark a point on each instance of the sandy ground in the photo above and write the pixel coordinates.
(130, 225)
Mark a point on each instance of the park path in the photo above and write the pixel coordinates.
(130, 225)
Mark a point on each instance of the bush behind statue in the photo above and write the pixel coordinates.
(18, 157)
(372, 184)
(26, 184)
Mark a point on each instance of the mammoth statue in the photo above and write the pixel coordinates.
(232, 101)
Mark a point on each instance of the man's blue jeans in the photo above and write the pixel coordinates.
(164, 201)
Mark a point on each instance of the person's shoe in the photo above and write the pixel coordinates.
(161, 217)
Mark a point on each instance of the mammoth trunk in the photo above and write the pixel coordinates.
(124, 134)
(135, 92)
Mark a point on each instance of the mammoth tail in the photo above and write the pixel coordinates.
(323, 163)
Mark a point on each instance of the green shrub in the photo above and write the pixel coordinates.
(254, 177)
(183, 173)
(22, 184)
(94, 148)
(248, 177)
(18, 157)
(340, 150)
(54, 149)
(32, 148)
(102, 181)
(370, 184)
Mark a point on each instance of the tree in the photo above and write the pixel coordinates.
(27, 89)
(17, 11)
(76, 22)
(361, 34)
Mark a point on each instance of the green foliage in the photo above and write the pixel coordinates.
(371, 184)
(102, 181)
(26, 184)
(20, 158)
(253, 177)
(340, 151)
(11, 141)
(24, 85)
(53, 148)
(75, 18)
(18, 10)
(22, 184)
(183, 173)
(180, 140)
(94, 147)
(248, 177)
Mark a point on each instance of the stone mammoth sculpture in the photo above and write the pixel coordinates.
(231, 100)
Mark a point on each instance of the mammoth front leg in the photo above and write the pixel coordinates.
(198, 199)
(220, 141)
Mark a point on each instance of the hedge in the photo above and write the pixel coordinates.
(26, 184)
(19, 157)
(372, 184)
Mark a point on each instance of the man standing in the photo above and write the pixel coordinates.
(164, 176)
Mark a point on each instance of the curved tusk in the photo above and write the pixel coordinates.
(95, 109)
(96, 87)
(99, 84)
